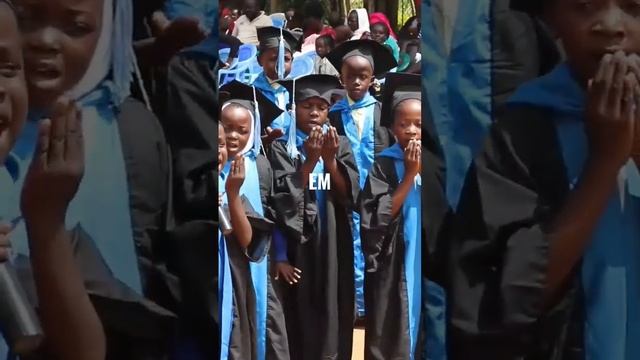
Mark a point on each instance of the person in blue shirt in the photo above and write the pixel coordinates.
(314, 261)
(357, 116)
(51, 182)
(242, 114)
(390, 213)
(275, 55)
(545, 255)
(88, 58)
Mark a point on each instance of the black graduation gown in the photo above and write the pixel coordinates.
(319, 309)
(382, 137)
(499, 253)
(190, 120)
(243, 334)
(436, 212)
(275, 209)
(385, 285)
(136, 327)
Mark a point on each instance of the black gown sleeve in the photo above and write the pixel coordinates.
(288, 195)
(347, 165)
(261, 231)
(499, 252)
(377, 225)
(382, 135)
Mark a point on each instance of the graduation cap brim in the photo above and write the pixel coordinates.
(242, 94)
(380, 57)
(309, 86)
(396, 84)
(269, 37)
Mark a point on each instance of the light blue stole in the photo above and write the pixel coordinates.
(412, 220)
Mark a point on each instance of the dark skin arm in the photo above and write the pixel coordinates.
(329, 152)
(610, 124)
(412, 160)
(51, 183)
(241, 227)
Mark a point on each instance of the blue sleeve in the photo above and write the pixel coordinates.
(279, 246)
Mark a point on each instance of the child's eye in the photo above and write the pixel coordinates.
(584, 4)
(79, 29)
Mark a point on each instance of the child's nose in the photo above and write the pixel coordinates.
(612, 22)
(47, 40)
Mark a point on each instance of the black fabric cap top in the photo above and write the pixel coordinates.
(242, 94)
(317, 85)
(380, 58)
(269, 37)
(533, 7)
(398, 87)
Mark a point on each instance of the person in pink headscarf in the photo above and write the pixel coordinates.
(379, 17)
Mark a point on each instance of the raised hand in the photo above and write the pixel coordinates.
(236, 176)
(272, 134)
(412, 159)
(57, 166)
(634, 68)
(314, 144)
(331, 145)
(611, 110)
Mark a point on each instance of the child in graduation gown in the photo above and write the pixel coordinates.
(390, 211)
(241, 116)
(246, 242)
(357, 116)
(117, 213)
(545, 259)
(275, 55)
(44, 200)
(316, 259)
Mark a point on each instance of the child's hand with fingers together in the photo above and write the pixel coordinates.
(57, 166)
(412, 159)
(612, 111)
(236, 177)
(313, 146)
(331, 144)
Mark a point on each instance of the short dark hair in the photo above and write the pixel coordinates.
(328, 40)
(313, 9)
(382, 25)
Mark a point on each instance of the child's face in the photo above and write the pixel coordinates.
(235, 14)
(352, 21)
(60, 37)
(237, 127)
(356, 76)
(222, 147)
(407, 122)
(592, 29)
(322, 47)
(289, 14)
(379, 33)
(268, 59)
(13, 88)
(251, 9)
(310, 113)
(343, 33)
